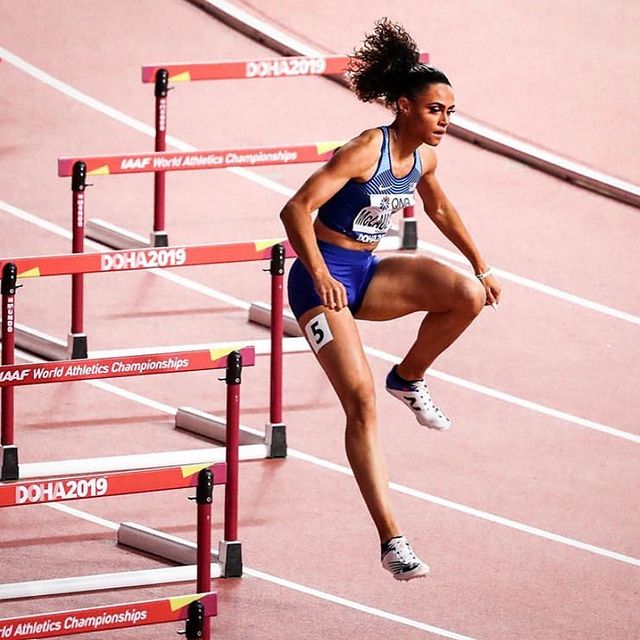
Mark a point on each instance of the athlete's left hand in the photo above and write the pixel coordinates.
(493, 290)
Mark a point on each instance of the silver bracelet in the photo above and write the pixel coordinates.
(484, 274)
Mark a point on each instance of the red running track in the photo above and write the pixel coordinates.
(301, 521)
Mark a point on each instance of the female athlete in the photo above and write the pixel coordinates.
(337, 278)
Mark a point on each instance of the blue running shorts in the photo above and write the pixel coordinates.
(353, 268)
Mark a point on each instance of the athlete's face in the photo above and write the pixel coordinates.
(429, 113)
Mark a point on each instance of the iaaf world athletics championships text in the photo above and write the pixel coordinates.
(72, 622)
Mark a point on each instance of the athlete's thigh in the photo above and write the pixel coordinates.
(404, 284)
(335, 339)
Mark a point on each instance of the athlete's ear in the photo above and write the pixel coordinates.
(404, 105)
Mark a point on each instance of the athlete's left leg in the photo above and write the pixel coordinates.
(405, 284)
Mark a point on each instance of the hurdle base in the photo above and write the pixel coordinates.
(409, 234)
(113, 236)
(162, 545)
(230, 558)
(260, 313)
(210, 427)
(159, 239)
(40, 344)
(10, 469)
(77, 348)
(275, 436)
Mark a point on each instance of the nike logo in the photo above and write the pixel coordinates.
(385, 188)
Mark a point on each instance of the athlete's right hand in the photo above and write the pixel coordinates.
(331, 292)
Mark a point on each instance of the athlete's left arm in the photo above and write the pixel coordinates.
(444, 215)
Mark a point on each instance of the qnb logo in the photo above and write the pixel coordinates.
(392, 201)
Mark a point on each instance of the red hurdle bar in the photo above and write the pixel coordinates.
(127, 366)
(162, 161)
(146, 258)
(99, 485)
(8, 287)
(287, 67)
(109, 617)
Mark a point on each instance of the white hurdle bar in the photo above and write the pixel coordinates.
(103, 582)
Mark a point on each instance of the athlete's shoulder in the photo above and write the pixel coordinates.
(360, 153)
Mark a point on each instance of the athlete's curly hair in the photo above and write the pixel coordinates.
(388, 66)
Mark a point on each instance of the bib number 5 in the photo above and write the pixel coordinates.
(318, 332)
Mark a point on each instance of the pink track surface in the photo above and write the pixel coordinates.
(558, 74)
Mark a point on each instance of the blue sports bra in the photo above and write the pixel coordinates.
(363, 210)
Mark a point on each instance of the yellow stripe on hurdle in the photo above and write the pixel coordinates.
(30, 273)
(183, 601)
(100, 171)
(261, 245)
(220, 352)
(192, 469)
(185, 76)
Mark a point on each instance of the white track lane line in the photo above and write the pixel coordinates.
(89, 517)
(394, 486)
(293, 586)
(146, 129)
(377, 353)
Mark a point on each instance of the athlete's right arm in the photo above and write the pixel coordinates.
(356, 159)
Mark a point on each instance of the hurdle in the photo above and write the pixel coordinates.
(331, 66)
(12, 375)
(161, 257)
(79, 168)
(194, 608)
(115, 237)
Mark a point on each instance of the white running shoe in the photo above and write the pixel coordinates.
(398, 558)
(417, 397)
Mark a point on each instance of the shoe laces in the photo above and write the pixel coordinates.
(421, 387)
(405, 552)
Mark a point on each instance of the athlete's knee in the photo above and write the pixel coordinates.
(360, 408)
(470, 296)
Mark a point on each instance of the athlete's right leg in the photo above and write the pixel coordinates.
(334, 337)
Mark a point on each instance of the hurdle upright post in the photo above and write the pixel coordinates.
(230, 553)
(8, 288)
(77, 342)
(159, 236)
(204, 498)
(275, 431)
